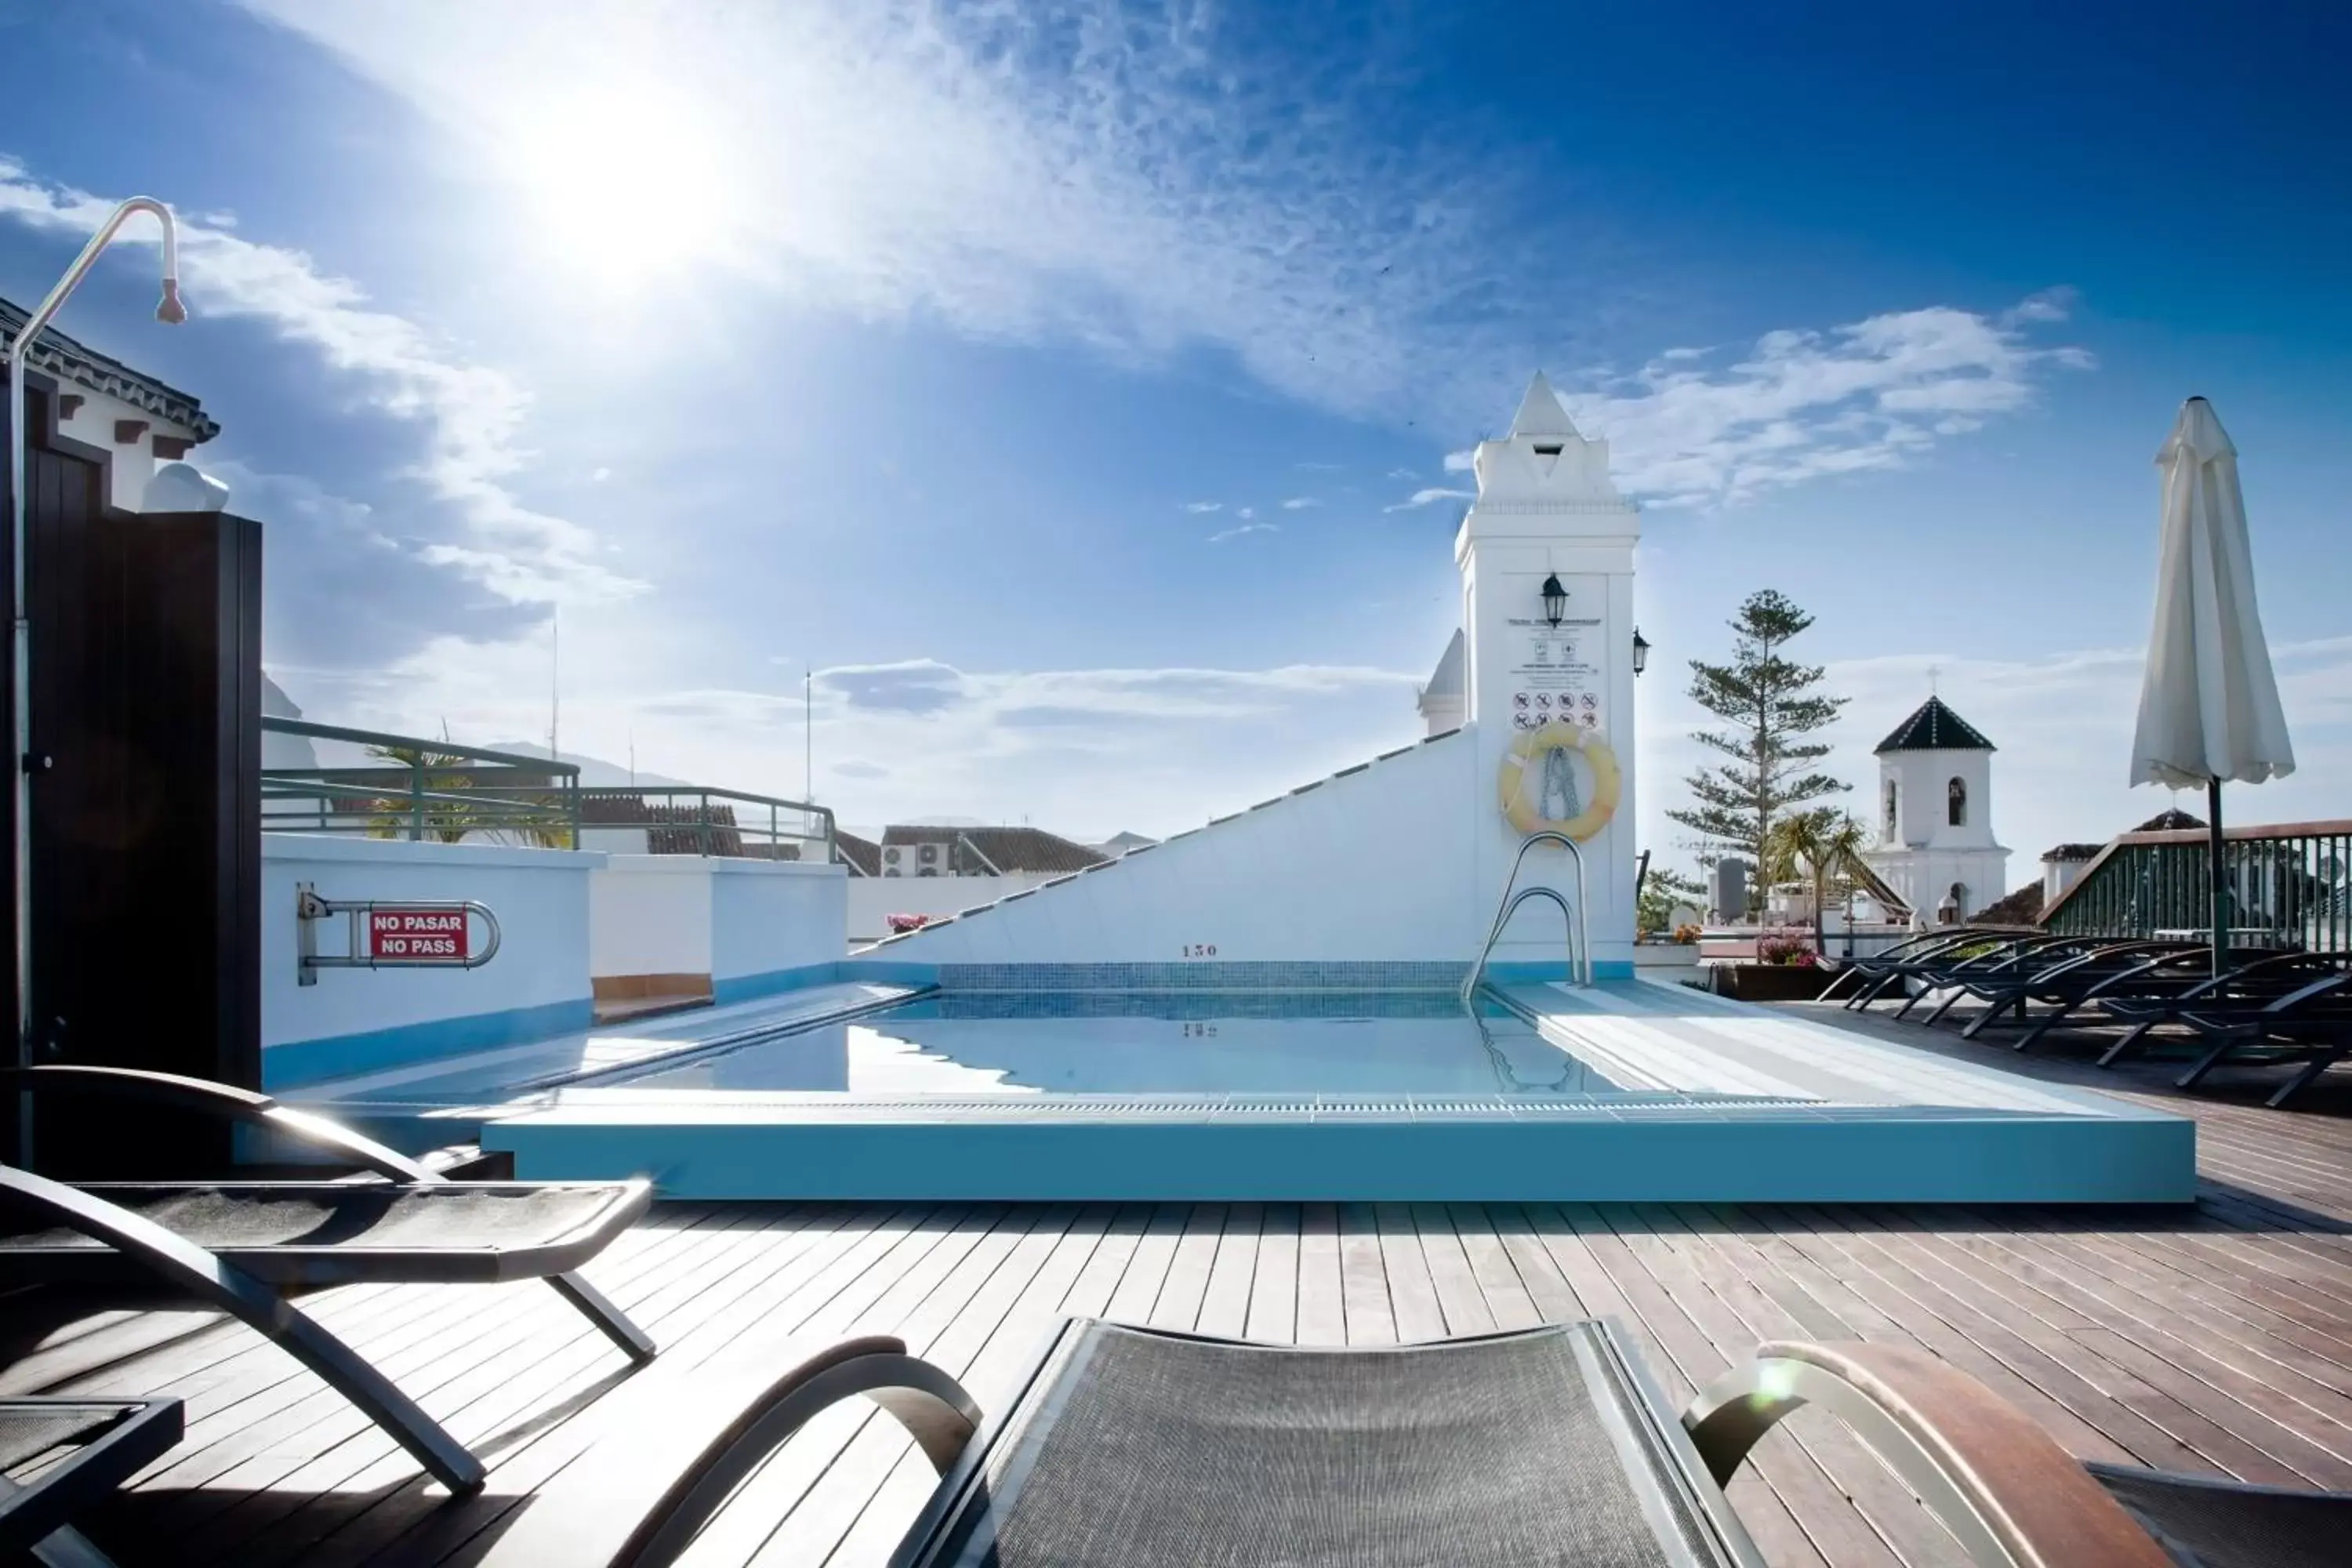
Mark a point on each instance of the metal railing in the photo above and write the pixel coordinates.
(411, 787)
(416, 788)
(2291, 886)
(1579, 952)
(698, 819)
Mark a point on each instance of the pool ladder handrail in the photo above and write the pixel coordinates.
(1580, 948)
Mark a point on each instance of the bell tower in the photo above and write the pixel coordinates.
(1546, 559)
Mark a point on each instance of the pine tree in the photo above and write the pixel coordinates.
(1768, 703)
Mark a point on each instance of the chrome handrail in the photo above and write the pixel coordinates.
(1579, 946)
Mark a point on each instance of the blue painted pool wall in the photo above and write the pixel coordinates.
(1796, 1159)
(298, 1062)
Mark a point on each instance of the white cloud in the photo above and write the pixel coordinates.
(1701, 426)
(1247, 511)
(1430, 496)
(1219, 538)
(599, 476)
(1300, 503)
(1129, 178)
(473, 412)
(1800, 404)
(1203, 506)
(1403, 474)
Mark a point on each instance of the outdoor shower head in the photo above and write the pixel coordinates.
(169, 310)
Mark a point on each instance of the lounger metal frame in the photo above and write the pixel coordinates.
(37, 1518)
(261, 1305)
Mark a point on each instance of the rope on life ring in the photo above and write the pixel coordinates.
(1529, 748)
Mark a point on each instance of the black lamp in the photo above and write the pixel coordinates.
(1641, 651)
(1555, 598)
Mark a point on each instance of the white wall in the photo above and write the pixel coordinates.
(769, 918)
(132, 464)
(650, 915)
(1546, 506)
(537, 986)
(1376, 864)
(872, 897)
(735, 920)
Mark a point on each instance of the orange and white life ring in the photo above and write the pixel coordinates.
(1529, 748)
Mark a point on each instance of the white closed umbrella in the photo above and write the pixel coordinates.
(2209, 706)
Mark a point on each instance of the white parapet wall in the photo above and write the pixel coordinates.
(356, 1020)
(726, 927)
(775, 925)
(649, 915)
(1376, 865)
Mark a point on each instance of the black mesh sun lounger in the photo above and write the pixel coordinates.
(245, 1246)
(2060, 975)
(1883, 969)
(1147, 1448)
(78, 1451)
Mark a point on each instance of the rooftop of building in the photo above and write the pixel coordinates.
(71, 360)
(1934, 727)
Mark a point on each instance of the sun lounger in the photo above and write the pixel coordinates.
(2256, 986)
(1990, 977)
(1882, 968)
(1143, 1447)
(247, 1246)
(2057, 974)
(86, 1448)
(2081, 996)
(1942, 972)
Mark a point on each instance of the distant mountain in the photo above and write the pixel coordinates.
(595, 772)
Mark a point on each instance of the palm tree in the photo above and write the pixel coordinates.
(1820, 846)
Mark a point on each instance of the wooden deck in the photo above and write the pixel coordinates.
(2216, 1341)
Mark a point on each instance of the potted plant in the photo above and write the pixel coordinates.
(1787, 968)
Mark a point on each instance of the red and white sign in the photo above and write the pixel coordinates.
(415, 935)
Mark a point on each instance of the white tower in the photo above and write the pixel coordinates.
(1935, 847)
(1546, 514)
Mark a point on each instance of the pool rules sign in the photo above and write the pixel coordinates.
(415, 933)
(384, 933)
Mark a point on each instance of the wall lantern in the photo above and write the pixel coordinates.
(1555, 600)
(1641, 651)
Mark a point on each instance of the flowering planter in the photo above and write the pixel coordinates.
(1769, 982)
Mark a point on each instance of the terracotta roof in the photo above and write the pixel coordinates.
(2021, 908)
(1933, 727)
(2170, 822)
(978, 851)
(2072, 851)
(669, 829)
(63, 357)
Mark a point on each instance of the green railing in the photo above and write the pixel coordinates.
(696, 820)
(411, 787)
(2291, 885)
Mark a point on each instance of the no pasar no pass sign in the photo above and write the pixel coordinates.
(419, 933)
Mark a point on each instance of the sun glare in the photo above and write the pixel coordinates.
(625, 187)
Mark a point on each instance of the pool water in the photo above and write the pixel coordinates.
(1417, 1044)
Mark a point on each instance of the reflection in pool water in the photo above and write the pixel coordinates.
(1416, 1043)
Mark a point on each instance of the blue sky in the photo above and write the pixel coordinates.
(1073, 386)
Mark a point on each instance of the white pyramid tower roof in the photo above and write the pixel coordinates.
(1540, 413)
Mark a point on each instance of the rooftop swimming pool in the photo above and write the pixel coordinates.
(1395, 1043)
(1629, 1090)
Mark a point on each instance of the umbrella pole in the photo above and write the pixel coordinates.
(2220, 875)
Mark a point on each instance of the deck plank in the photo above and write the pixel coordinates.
(1274, 1286)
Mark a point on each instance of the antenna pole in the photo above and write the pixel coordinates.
(555, 681)
(808, 733)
